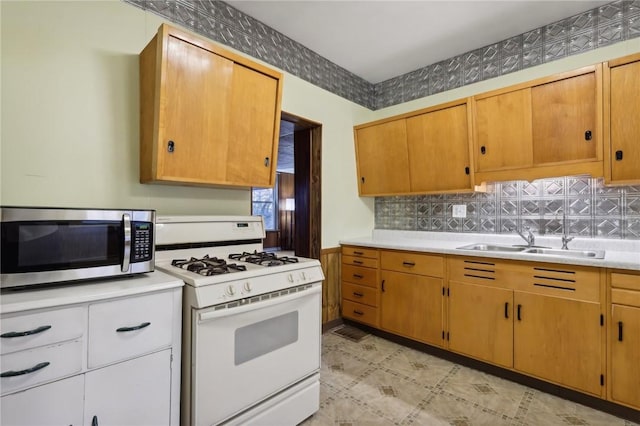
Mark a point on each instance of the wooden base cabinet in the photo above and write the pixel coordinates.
(360, 294)
(411, 300)
(542, 320)
(481, 322)
(624, 339)
(559, 339)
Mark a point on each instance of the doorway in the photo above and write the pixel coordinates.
(298, 188)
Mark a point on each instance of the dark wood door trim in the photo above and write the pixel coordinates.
(307, 140)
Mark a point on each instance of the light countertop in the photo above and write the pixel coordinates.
(47, 297)
(619, 254)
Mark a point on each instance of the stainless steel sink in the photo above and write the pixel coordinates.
(491, 247)
(589, 254)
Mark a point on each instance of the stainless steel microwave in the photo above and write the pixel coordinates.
(52, 245)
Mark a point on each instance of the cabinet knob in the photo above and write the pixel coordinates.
(587, 135)
(618, 155)
(466, 170)
(171, 146)
(362, 179)
(619, 331)
(483, 150)
(94, 421)
(267, 160)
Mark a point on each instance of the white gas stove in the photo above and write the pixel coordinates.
(251, 322)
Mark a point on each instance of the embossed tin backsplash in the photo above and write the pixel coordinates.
(592, 209)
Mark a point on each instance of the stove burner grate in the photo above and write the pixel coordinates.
(263, 258)
(208, 265)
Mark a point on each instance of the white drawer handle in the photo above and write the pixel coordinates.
(136, 327)
(11, 334)
(27, 371)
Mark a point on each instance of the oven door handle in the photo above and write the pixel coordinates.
(126, 225)
(210, 315)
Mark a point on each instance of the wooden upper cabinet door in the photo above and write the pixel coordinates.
(382, 160)
(253, 132)
(438, 146)
(503, 131)
(624, 121)
(194, 114)
(565, 120)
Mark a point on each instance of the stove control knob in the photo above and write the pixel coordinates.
(290, 278)
(247, 287)
(303, 275)
(230, 290)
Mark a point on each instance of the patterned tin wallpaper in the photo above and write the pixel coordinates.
(591, 209)
(611, 23)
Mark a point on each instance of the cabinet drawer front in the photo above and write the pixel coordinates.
(360, 294)
(628, 281)
(359, 252)
(412, 263)
(625, 297)
(63, 360)
(359, 312)
(32, 330)
(360, 261)
(126, 328)
(359, 275)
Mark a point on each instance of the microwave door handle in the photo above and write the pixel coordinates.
(126, 221)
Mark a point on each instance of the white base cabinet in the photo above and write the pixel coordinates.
(114, 362)
(53, 404)
(134, 392)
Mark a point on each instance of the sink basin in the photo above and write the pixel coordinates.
(491, 247)
(589, 254)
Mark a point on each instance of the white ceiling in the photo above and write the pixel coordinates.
(378, 40)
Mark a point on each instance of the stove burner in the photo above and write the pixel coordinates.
(208, 265)
(263, 258)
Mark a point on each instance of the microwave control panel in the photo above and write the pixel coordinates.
(141, 241)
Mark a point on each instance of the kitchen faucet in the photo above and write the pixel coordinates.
(530, 238)
(565, 235)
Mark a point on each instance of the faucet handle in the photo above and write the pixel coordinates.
(565, 241)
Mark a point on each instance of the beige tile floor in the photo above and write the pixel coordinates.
(377, 382)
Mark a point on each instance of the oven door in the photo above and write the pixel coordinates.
(243, 355)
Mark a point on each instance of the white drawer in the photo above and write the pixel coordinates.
(126, 328)
(64, 359)
(27, 331)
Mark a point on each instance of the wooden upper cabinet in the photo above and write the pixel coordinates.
(438, 147)
(503, 131)
(564, 120)
(208, 116)
(382, 159)
(425, 151)
(543, 128)
(622, 120)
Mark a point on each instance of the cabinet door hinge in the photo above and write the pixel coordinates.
(602, 380)
(601, 320)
